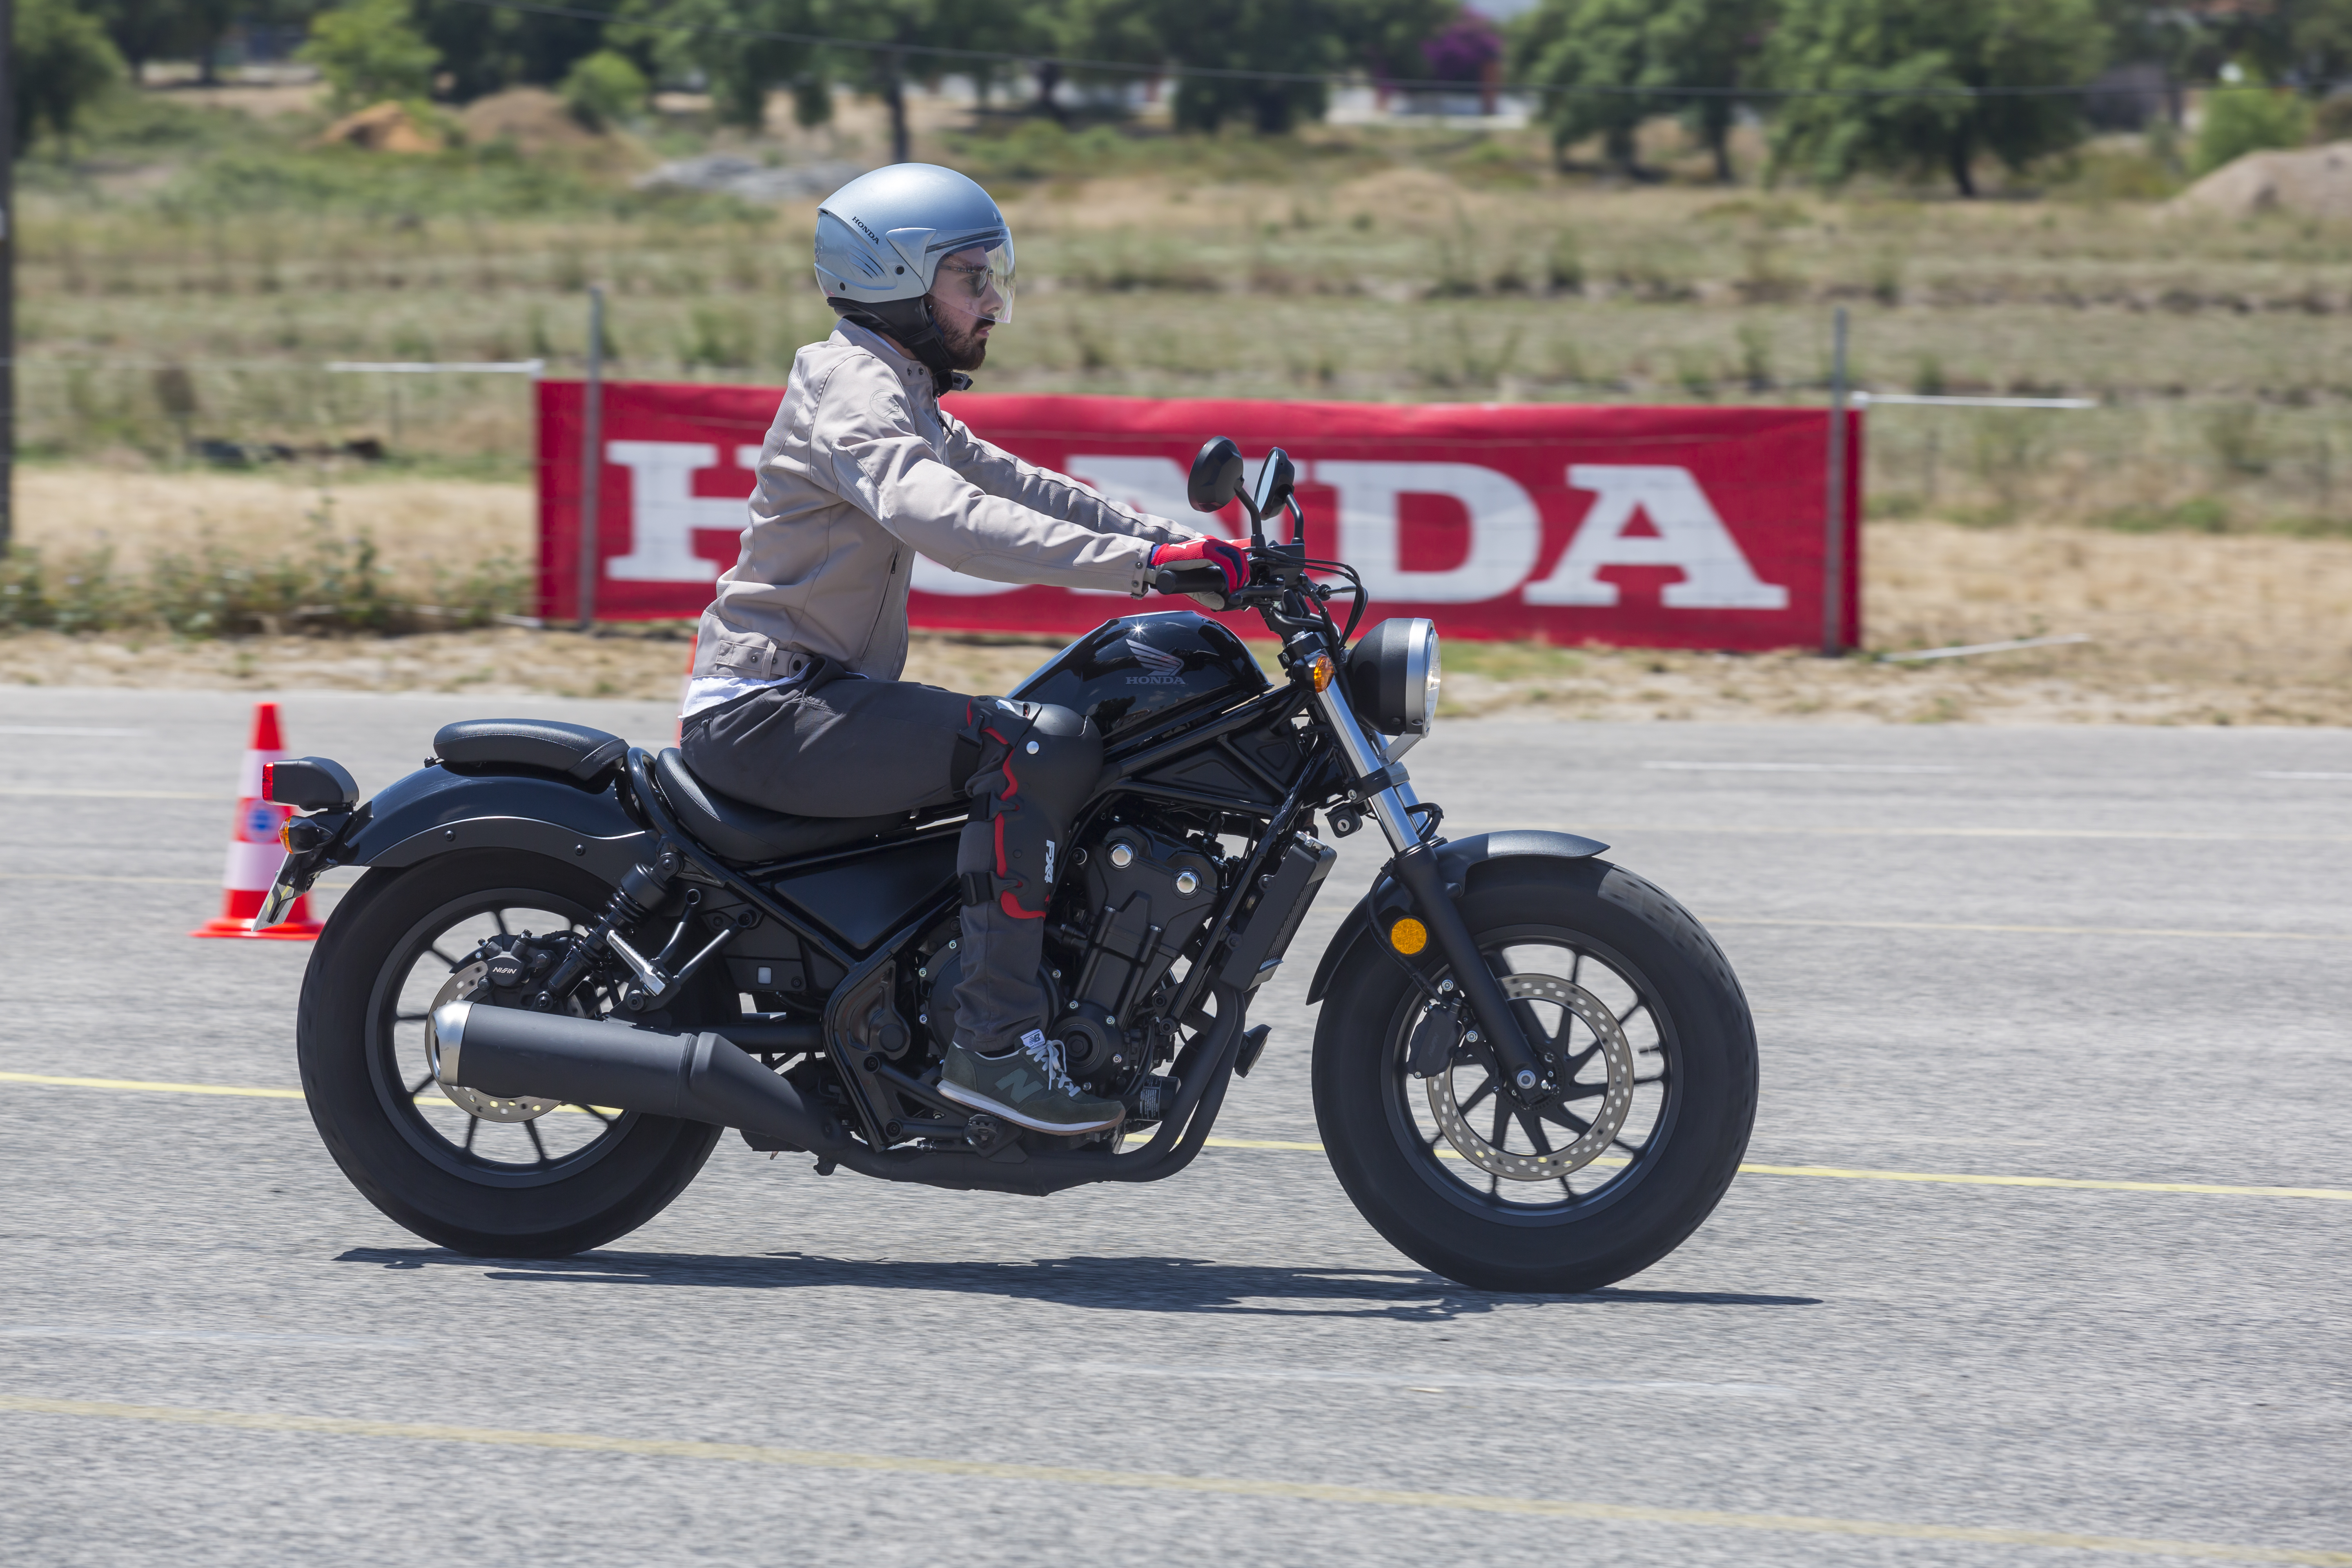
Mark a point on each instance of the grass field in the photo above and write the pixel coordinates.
(189, 279)
(189, 270)
(2189, 628)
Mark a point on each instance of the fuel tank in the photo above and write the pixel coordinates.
(1140, 671)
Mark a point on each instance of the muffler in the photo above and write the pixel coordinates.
(508, 1052)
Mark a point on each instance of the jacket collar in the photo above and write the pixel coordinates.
(913, 372)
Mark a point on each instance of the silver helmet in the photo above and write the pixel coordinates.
(885, 239)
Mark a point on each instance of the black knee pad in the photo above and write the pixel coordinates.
(1037, 765)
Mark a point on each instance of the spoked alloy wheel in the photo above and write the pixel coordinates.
(1651, 1047)
(445, 958)
(1614, 1065)
(502, 1177)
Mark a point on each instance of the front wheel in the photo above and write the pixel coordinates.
(521, 1177)
(1651, 1046)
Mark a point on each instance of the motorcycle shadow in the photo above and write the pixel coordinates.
(1149, 1284)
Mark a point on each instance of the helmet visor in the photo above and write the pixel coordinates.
(977, 283)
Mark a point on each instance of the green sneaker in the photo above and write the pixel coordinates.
(1028, 1087)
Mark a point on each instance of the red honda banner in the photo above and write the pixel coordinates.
(1645, 526)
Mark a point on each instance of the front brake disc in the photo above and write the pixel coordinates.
(462, 984)
(1616, 1056)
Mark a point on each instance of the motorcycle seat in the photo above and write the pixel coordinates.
(574, 751)
(737, 830)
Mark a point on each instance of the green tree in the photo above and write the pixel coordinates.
(1638, 48)
(2248, 116)
(707, 37)
(484, 48)
(1894, 80)
(144, 30)
(59, 59)
(604, 89)
(1304, 38)
(368, 51)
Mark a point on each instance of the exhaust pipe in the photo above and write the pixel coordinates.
(508, 1052)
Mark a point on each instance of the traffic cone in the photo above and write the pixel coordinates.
(254, 851)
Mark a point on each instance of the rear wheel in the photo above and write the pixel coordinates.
(1653, 1051)
(520, 1177)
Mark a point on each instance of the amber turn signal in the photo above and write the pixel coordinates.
(1408, 936)
(1319, 671)
(286, 835)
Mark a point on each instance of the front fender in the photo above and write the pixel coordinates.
(1459, 860)
(434, 811)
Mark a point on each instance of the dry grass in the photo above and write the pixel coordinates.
(419, 523)
(2190, 628)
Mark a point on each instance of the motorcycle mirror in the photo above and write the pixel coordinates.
(1217, 476)
(1276, 480)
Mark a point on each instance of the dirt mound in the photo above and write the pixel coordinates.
(2314, 180)
(532, 117)
(384, 126)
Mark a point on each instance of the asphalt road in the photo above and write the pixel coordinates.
(2103, 956)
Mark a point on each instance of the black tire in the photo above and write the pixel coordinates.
(1423, 1198)
(624, 1173)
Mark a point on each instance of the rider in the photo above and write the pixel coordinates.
(795, 701)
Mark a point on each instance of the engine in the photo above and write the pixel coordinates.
(1135, 901)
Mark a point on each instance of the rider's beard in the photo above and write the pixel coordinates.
(967, 350)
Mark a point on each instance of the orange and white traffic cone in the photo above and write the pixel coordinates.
(253, 852)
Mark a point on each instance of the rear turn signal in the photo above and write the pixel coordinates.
(1318, 669)
(1408, 936)
(286, 835)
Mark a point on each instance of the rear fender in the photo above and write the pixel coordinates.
(434, 811)
(1461, 862)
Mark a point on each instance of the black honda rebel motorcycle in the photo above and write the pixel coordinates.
(570, 965)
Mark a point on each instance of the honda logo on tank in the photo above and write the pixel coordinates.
(1633, 526)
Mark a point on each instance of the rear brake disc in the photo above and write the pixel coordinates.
(462, 984)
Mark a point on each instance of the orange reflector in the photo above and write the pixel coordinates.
(286, 835)
(1320, 670)
(1408, 936)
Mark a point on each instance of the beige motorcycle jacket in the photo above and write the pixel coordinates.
(861, 470)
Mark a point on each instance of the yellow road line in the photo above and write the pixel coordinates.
(2035, 931)
(1959, 1179)
(2116, 833)
(1838, 1173)
(56, 1082)
(1139, 1481)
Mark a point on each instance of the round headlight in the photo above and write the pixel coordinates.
(1393, 676)
(1430, 682)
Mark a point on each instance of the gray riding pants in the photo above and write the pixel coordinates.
(851, 747)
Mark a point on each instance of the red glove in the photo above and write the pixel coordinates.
(1230, 560)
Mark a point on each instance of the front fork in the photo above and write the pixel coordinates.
(1525, 1075)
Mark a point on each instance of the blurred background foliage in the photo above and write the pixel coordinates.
(193, 256)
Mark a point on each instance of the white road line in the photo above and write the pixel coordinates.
(63, 730)
(1803, 767)
(25, 792)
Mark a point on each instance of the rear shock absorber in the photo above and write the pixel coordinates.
(642, 890)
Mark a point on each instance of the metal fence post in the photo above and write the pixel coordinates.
(591, 454)
(8, 273)
(1833, 527)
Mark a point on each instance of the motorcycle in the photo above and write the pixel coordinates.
(570, 965)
